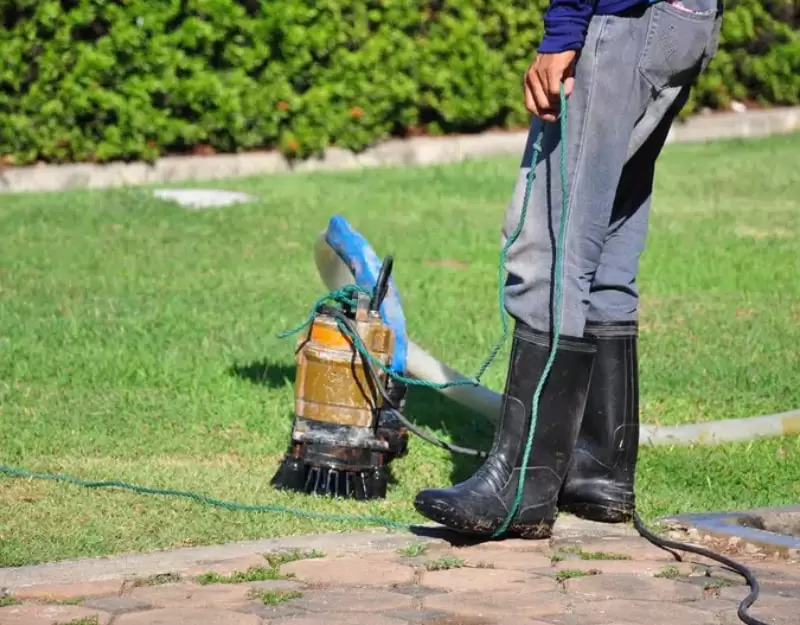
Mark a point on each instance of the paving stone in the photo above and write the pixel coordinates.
(626, 567)
(724, 573)
(510, 544)
(603, 587)
(770, 609)
(188, 616)
(350, 571)
(275, 585)
(417, 591)
(49, 615)
(506, 559)
(116, 604)
(775, 616)
(417, 615)
(449, 619)
(789, 590)
(477, 580)
(268, 612)
(65, 592)
(568, 526)
(734, 593)
(226, 567)
(776, 572)
(720, 607)
(626, 612)
(334, 619)
(354, 600)
(466, 620)
(634, 548)
(192, 595)
(526, 602)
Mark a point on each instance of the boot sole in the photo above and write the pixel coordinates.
(536, 531)
(600, 513)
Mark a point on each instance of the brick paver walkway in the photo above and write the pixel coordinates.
(587, 574)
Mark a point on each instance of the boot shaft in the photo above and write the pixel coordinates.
(600, 482)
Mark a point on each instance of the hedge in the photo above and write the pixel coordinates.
(95, 80)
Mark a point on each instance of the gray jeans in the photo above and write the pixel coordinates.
(631, 79)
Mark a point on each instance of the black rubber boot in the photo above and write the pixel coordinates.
(600, 483)
(481, 504)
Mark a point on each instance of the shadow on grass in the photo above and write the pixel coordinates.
(432, 411)
(265, 373)
(445, 418)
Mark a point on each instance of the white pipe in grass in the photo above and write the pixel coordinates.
(423, 366)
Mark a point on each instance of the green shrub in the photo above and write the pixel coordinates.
(99, 80)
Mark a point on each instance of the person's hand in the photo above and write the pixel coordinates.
(543, 80)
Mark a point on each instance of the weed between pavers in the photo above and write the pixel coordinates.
(90, 620)
(413, 550)
(275, 597)
(8, 600)
(285, 557)
(261, 573)
(587, 555)
(713, 587)
(566, 574)
(668, 572)
(73, 601)
(253, 574)
(444, 563)
(157, 580)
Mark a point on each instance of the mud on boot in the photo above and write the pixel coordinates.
(481, 504)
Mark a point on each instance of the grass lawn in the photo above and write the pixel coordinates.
(138, 339)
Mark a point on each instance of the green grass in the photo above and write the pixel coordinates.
(413, 550)
(261, 573)
(445, 563)
(138, 340)
(276, 597)
(668, 572)
(157, 580)
(7, 601)
(587, 555)
(565, 574)
(279, 558)
(253, 574)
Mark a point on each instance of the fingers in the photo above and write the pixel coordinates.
(543, 83)
(569, 85)
(552, 79)
(536, 99)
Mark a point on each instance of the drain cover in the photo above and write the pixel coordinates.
(776, 529)
(198, 199)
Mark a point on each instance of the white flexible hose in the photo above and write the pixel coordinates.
(422, 366)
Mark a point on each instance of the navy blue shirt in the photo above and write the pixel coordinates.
(566, 21)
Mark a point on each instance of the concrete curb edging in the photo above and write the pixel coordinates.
(178, 560)
(415, 151)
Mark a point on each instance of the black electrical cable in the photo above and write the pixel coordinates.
(373, 373)
(741, 569)
(663, 543)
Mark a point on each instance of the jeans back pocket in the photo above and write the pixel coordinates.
(681, 39)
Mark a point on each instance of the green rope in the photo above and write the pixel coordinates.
(348, 295)
(211, 501)
(558, 272)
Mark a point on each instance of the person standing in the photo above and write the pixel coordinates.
(626, 68)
